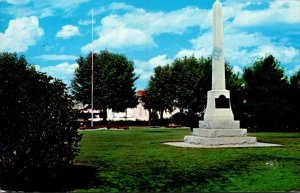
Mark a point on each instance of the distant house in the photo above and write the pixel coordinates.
(132, 114)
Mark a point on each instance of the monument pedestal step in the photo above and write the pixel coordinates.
(219, 132)
(219, 124)
(212, 141)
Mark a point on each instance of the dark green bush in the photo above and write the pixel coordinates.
(154, 119)
(179, 118)
(38, 135)
(186, 119)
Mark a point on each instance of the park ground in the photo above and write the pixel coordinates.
(136, 160)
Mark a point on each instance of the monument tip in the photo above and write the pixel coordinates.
(217, 2)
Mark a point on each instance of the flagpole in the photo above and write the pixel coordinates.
(92, 85)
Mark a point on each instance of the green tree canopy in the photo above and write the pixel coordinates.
(266, 88)
(38, 134)
(191, 79)
(159, 91)
(114, 79)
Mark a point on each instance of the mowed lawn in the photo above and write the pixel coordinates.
(136, 161)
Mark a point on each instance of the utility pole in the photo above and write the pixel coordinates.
(92, 76)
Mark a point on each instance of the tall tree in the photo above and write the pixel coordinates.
(114, 79)
(294, 96)
(159, 91)
(265, 95)
(38, 134)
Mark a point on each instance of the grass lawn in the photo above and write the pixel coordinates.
(136, 160)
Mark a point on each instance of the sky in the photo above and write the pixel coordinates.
(52, 34)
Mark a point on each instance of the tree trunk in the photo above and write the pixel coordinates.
(149, 118)
(104, 115)
(161, 114)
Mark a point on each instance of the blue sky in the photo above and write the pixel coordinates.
(52, 34)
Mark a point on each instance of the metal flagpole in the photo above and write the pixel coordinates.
(92, 89)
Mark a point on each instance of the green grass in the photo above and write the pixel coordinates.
(136, 160)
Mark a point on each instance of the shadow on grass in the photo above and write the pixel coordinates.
(158, 176)
(66, 179)
(79, 177)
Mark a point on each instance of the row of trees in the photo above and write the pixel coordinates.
(262, 97)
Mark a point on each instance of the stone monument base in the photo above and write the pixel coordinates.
(211, 133)
(221, 132)
(212, 141)
(219, 124)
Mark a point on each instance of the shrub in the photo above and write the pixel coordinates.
(38, 135)
(154, 119)
(186, 119)
(179, 118)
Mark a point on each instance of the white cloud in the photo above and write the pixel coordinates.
(63, 71)
(119, 37)
(44, 8)
(282, 53)
(120, 6)
(160, 60)
(293, 70)
(18, 2)
(112, 7)
(21, 34)
(51, 57)
(240, 47)
(171, 22)
(232, 8)
(68, 31)
(21, 11)
(47, 12)
(285, 11)
(145, 68)
(66, 4)
(86, 22)
(137, 27)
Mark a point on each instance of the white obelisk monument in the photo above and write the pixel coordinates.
(219, 126)
(218, 72)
